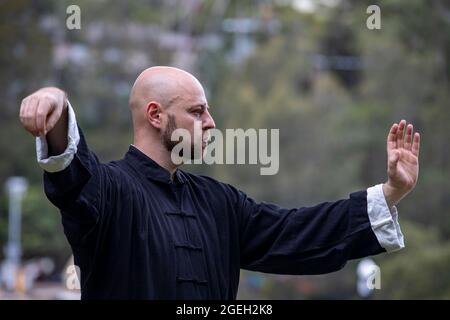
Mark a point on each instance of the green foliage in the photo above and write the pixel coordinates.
(42, 232)
(421, 270)
(333, 123)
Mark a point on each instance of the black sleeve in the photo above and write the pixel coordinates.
(78, 189)
(308, 240)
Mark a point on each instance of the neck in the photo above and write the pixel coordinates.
(158, 153)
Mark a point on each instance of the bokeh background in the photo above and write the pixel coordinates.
(309, 68)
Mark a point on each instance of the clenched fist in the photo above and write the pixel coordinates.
(40, 111)
(44, 113)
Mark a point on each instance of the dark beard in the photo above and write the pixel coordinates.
(167, 134)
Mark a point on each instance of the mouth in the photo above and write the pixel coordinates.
(206, 139)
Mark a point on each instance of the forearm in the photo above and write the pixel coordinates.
(68, 136)
(57, 137)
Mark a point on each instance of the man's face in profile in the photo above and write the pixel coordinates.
(189, 112)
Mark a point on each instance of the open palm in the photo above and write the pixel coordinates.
(403, 156)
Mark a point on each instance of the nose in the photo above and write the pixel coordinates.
(208, 121)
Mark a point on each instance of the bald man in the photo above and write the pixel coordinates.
(142, 228)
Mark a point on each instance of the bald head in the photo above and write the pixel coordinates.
(163, 85)
(162, 100)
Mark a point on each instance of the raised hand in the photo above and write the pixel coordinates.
(403, 162)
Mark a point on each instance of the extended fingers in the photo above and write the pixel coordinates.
(405, 138)
(400, 133)
(416, 145)
(408, 137)
(392, 137)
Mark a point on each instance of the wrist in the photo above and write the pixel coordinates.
(392, 194)
(58, 96)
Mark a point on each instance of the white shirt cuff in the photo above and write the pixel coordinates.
(63, 160)
(384, 222)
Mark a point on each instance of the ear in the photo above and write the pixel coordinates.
(153, 114)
